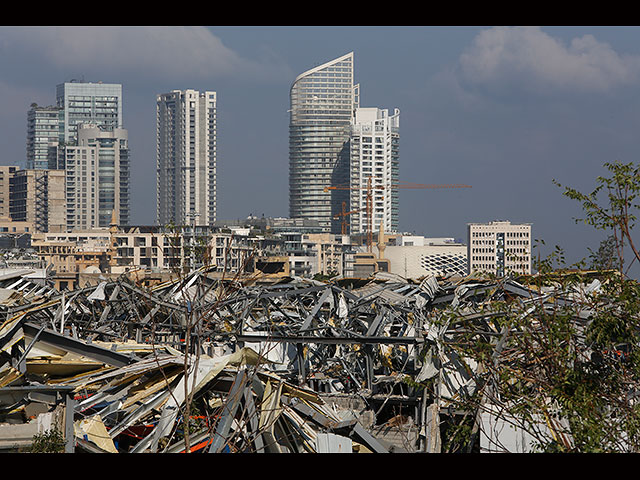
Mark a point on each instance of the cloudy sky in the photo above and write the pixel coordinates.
(504, 109)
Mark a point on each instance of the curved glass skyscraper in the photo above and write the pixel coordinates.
(323, 101)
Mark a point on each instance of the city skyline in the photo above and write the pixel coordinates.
(506, 110)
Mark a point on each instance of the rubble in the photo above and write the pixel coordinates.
(293, 365)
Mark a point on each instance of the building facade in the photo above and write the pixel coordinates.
(97, 178)
(7, 172)
(45, 131)
(38, 196)
(95, 168)
(416, 261)
(186, 157)
(499, 248)
(87, 102)
(374, 162)
(323, 100)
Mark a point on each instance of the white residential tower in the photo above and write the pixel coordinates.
(186, 157)
(374, 162)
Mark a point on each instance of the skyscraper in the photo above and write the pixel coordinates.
(86, 102)
(186, 157)
(45, 130)
(97, 178)
(323, 101)
(374, 155)
(83, 135)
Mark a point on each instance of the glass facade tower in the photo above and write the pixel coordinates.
(44, 132)
(96, 103)
(323, 101)
(97, 178)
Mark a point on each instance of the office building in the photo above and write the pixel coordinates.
(97, 178)
(186, 157)
(323, 100)
(374, 162)
(499, 248)
(45, 131)
(86, 102)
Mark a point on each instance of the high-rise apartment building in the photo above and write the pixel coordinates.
(38, 197)
(45, 130)
(323, 101)
(97, 178)
(186, 157)
(499, 248)
(7, 172)
(86, 102)
(374, 162)
(51, 128)
(83, 136)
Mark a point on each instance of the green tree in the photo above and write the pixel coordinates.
(611, 206)
(565, 366)
(605, 257)
(50, 441)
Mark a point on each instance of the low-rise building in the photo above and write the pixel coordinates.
(329, 251)
(499, 248)
(119, 250)
(412, 256)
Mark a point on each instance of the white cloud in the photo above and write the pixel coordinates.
(530, 58)
(171, 52)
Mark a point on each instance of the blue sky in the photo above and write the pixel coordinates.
(504, 109)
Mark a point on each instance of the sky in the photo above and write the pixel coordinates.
(507, 110)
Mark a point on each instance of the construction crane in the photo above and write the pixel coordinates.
(344, 214)
(369, 200)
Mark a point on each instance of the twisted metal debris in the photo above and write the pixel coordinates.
(360, 365)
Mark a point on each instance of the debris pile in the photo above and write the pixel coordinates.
(203, 364)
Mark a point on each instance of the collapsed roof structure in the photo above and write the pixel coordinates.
(204, 364)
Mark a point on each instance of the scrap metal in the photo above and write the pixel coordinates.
(266, 367)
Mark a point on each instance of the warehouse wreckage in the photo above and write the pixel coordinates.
(286, 365)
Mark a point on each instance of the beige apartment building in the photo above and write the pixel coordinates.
(122, 250)
(38, 197)
(11, 226)
(186, 157)
(499, 248)
(329, 249)
(6, 174)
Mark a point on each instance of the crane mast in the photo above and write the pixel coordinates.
(369, 200)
